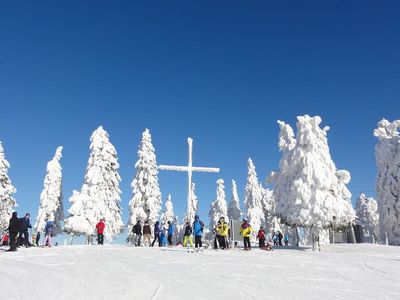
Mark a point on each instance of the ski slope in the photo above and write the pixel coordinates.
(361, 271)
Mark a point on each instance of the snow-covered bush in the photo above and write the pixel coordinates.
(367, 216)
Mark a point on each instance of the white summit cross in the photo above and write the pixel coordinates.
(189, 169)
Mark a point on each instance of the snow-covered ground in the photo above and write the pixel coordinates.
(118, 272)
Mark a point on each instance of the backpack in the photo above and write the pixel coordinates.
(134, 229)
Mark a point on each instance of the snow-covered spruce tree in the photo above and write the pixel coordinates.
(146, 196)
(308, 190)
(368, 217)
(51, 198)
(193, 206)
(234, 211)
(268, 207)
(99, 197)
(219, 207)
(7, 202)
(253, 198)
(387, 153)
(168, 214)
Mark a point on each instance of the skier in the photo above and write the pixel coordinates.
(198, 227)
(280, 237)
(4, 239)
(222, 232)
(245, 231)
(137, 230)
(100, 232)
(37, 239)
(261, 237)
(286, 239)
(48, 232)
(187, 236)
(163, 239)
(146, 233)
(24, 234)
(275, 239)
(13, 229)
(171, 230)
(156, 234)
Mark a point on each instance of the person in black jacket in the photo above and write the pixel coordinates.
(13, 228)
(156, 234)
(24, 234)
(137, 230)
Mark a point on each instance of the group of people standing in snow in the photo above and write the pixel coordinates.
(221, 231)
(164, 235)
(17, 233)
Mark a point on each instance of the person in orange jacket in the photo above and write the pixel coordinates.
(100, 232)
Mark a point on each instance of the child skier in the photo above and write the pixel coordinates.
(187, 237)
(261, 237)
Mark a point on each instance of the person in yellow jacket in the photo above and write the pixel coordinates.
(222, 230)
(245, 231)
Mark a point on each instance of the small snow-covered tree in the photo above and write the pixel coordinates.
(234, 211)
(218, 207)
(253, 198)
(367, 216)
(387, 153)
(7, 201)
(51, 198)
(168, 214)
(99, 197)
(193, 206)
(308, 190)
(146, 196)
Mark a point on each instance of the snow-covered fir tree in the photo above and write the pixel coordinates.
(368, 217)
(168, 214)
(253, 198)
(7, 201)
(193, 206)
(218, 207)
(308, 190)
(387, 153)
(99, 197)
(51, 198)
(145, 203)
(268, 207)
(234, 211)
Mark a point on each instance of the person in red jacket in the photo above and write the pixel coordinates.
(100, 231)
(261, 237)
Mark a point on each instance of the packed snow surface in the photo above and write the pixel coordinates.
(362, 271)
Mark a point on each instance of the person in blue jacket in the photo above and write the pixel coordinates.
(171, 229)
(198, 227)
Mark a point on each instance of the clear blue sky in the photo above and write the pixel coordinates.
(221, 72)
